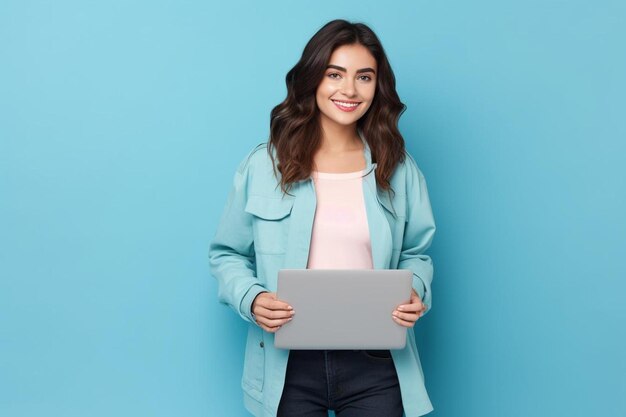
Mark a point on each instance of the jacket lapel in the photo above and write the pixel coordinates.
(301, 225)
(380, 232)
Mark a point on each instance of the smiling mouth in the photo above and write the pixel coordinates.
(346, 105)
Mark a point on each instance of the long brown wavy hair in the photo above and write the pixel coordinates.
(295, 131)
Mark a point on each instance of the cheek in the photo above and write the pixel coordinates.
(324, 90)
(368, 96)
(369, 93)
(319, 97)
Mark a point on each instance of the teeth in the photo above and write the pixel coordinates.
(344, 104)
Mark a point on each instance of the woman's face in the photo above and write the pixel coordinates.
(347, 89)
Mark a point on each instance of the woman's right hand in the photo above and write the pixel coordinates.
(270, 312)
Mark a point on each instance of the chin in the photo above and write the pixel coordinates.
(344, 121)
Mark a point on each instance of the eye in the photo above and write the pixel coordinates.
(331, 75)
(368, 78)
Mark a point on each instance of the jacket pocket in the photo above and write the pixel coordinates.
(254, 362)
(270, 223)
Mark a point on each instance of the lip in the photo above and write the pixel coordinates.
(346, 109)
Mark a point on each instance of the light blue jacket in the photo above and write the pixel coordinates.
(261, 231)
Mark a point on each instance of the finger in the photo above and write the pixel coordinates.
(278, 305)
(269, 329)
(272, 322)
(415, 298)
(271, 303)
(403, 322)
(406, 316)
(273, 314)
(411, 308)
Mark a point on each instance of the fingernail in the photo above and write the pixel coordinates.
(401, 308)
(290, 307)
(395, 313)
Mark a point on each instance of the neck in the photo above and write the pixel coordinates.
(339, 138)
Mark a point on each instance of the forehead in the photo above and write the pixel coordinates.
(352, 57)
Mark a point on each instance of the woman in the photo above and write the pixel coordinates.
(332, 188)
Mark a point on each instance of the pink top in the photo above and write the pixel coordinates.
(340, 238)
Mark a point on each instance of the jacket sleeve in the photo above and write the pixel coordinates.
(231, 252)
(419, 230)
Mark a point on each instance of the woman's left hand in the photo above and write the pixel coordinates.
(407, 314)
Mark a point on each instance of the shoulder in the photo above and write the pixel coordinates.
(256, 157)
(257, 170)
(407, 173)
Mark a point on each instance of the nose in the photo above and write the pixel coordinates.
(348, 87)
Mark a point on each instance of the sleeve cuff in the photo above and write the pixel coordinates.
(245, 308)
(419, 286)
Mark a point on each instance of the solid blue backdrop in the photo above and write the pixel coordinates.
(121, 125)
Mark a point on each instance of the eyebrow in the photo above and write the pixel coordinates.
(359, 71)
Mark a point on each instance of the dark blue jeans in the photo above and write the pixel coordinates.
(353, 383)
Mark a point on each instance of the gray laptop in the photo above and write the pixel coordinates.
(343, 309)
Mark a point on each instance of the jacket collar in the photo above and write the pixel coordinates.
(379, 229)
(370, 167)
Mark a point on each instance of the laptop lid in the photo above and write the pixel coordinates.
(343, 309)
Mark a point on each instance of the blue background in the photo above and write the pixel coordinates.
(121, 125)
